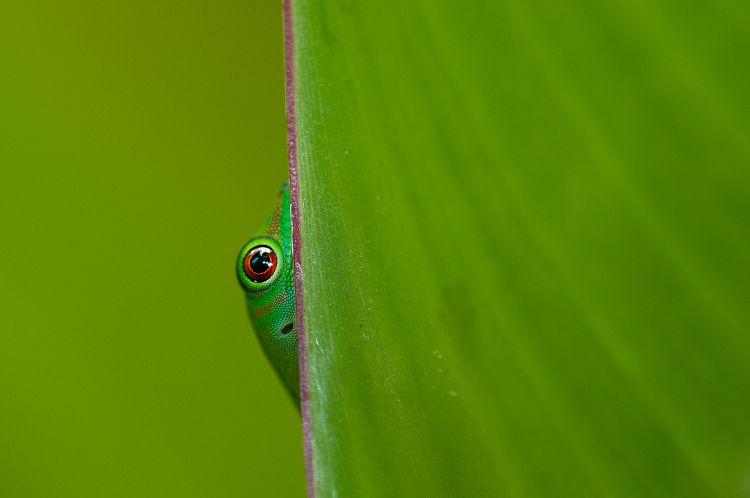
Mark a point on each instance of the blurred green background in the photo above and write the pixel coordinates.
(141, 143)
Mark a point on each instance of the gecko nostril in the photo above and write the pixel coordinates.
(287, 328)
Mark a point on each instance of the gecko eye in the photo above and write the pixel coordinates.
(260, 263)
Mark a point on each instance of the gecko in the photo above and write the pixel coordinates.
(266, 273)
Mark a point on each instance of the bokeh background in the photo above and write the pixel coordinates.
(141, 143)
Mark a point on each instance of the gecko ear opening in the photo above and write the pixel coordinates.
(287, 328)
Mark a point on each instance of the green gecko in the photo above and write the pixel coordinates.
(266, 272)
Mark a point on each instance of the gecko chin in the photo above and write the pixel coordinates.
(287, 328)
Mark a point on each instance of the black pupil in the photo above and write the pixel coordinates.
(261, 262)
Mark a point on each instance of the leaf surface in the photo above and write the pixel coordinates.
(525, 248)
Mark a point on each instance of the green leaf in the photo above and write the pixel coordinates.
(525, 249)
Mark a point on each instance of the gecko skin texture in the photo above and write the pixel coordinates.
(265, 271)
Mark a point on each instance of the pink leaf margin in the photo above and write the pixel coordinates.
(291, 116)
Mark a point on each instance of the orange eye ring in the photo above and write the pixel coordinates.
(260, 263)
